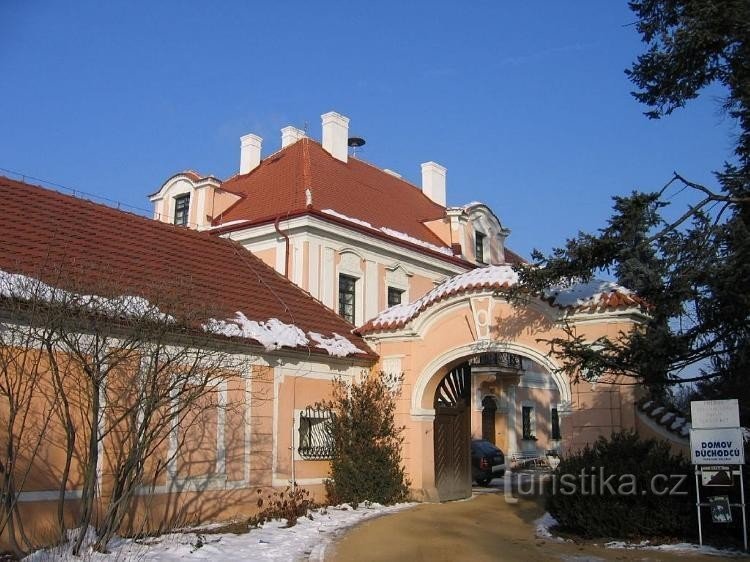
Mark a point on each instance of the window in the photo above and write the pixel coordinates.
(479, 246)
(315, 440)
(527, 415)
(394, 296)
(347, 285)
(181, 206)
(555, 419)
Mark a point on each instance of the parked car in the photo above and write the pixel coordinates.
(487, 462)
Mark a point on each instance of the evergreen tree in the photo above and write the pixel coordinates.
(366, 464)
(692, 269)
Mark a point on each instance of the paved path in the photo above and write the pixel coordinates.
(481, 529)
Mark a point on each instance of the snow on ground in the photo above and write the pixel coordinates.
(679, 547)
(273, 541)
(543, 527)
(546, 523)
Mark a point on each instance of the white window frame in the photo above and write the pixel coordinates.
(297, 426)
(350, 264)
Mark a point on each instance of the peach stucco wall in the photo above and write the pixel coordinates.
(449, 332)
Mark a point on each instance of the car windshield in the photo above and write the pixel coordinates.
(485, 447)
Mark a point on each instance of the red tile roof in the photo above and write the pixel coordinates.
(355, 189)
(44, 232)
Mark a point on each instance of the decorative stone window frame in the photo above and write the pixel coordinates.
(398, 278)
(350, 264)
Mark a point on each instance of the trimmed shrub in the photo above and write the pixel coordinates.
(366, 464)
(624, 487)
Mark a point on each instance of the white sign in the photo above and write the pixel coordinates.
(712, 446)
(710, 414)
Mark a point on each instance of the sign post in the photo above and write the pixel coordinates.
(716, 447)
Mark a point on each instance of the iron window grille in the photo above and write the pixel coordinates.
(394, 296)
(347, 301)
(479, 246)
(315, 437)
(497, 359)
(181, 207)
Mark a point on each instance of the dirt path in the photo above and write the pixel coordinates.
(483, 528)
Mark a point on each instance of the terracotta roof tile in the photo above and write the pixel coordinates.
(355, 189)
(44, 231)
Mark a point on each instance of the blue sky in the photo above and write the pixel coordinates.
(526, 104)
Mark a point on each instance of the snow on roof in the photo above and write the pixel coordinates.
(23, 287)
(572, 295)
(391, 232)
(275, 334)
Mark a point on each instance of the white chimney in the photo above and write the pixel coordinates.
(249, 153)
(336, 135)
(433, 182)
(290, 135)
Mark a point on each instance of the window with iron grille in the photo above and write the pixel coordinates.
(527, 415)
(394, 296)
(315, 440)
(181, 207)
(347, 302)
(555, 419)
(479, 246)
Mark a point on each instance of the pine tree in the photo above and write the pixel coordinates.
(693, 269)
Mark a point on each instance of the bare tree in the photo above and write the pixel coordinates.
(119, 377)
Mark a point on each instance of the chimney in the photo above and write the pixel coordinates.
(290, 135)
(336, 135)
(433, 182)
(249, 153)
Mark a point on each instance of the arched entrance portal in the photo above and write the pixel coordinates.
(452, 435)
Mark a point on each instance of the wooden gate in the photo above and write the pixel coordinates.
(452, 436)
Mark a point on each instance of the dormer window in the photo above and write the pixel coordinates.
(479, 246)
(181, 207)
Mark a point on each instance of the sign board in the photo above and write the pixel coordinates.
(711, 414)
(720, 510)
(709, 446)
(716, 476)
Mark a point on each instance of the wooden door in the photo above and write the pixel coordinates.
(452, 436)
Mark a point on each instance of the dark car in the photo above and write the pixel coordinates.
(487, 462)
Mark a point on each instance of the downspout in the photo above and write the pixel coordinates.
(286, 245)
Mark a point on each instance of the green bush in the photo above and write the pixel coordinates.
(366, 464)
(630, 506)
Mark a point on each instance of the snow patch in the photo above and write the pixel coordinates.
(23, 287)
(582, 294)
(391, 232)
(495, 276)
(543, 527)
(272, 541)
(272, 334)
(337, 346)
(682, 547)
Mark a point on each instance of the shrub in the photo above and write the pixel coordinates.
(366, 461)
(289, 504)
(636, 508)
